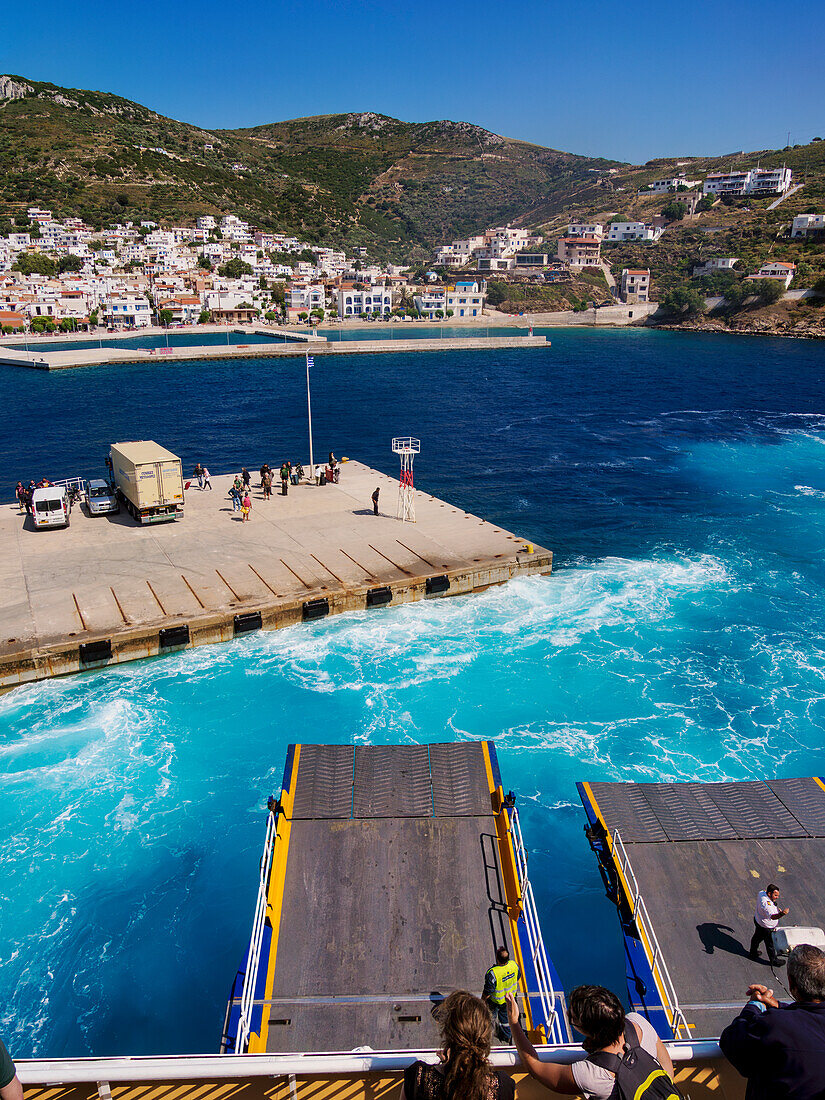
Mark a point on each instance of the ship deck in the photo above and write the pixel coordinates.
(697, 854)
(392, 884)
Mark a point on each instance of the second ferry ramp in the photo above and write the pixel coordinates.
(391, 885)
(684, 862)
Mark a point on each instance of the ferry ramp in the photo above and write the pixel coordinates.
(684, 862)
(388, 889)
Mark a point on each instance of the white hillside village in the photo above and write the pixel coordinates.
(62, 274)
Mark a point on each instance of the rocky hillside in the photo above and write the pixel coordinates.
(358, 179)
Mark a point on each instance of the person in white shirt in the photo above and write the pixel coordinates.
(765, 920)
(598, 1014)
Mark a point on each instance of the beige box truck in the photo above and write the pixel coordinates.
(149, 480)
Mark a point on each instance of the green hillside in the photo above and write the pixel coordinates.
(744, 227)
(345, 180)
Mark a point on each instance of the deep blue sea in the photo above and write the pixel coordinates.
(680, 480)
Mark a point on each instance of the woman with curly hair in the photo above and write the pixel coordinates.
(465, 1072)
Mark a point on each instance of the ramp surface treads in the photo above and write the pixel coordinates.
(700, 853)
(392, 893)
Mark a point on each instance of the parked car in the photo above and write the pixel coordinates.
(100, 497)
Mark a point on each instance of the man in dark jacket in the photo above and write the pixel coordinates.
(780, 1048)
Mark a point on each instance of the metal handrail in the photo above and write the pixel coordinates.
(250, 982)
(645, 924)
(190, 1067)
(72, 483)
(546, 993)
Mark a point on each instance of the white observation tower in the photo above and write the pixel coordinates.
(406, 449)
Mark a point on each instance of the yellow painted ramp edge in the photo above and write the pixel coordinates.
(277, 877)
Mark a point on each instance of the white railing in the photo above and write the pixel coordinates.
(256, 939)
(656, 959)
(78, 483)
(191, 1067)
(544, 981)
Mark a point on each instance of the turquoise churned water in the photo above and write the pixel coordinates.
(679, 478)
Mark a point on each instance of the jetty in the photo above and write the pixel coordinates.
(67, 357)
(106, 590)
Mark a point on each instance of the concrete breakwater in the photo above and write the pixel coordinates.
(72, 357)
(106, 590)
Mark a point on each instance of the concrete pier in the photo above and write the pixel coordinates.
(72, 357)
(318, 551)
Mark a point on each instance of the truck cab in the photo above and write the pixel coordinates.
(51, 506)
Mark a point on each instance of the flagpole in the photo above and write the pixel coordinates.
(309, 418)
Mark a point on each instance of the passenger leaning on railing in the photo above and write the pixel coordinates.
(10, 1087)
(780, 1048)
(625, 1055)
(465, 1071)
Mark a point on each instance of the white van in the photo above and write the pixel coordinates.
(51, 506)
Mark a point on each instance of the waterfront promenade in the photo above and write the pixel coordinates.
(65, 358)
(107, 579)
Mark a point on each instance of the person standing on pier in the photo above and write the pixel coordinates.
(246, 507)
(284, 479)
(246, 479)
(375, 501)
(266, 484)
(198, 473)
(765, 920)
(207, 482)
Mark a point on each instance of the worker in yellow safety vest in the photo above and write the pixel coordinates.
(501, 979)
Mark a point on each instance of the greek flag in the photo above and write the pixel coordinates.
(310, 361)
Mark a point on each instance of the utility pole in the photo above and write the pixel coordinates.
(310, 362)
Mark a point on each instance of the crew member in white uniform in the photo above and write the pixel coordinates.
(765, 920)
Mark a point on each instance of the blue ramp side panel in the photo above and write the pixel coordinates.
(642, 991)
(260, 992)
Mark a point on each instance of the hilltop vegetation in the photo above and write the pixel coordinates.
(350, 180)
(399, 189)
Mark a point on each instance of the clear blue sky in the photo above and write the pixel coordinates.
(625, 80)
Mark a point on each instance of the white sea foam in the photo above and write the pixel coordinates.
(615, 669)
